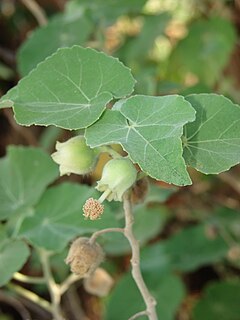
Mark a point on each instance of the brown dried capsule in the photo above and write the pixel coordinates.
(84, 257)
(99, 283)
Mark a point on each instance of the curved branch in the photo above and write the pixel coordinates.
(135, 260)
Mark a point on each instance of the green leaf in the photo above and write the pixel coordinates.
(205, 51)
(180, 253)
(6, 104)
(136, 49)
(58, 217)
(149, 129)
(125, 300)
(24, 175)
(220, 301)
(70, 89)
(13, 255)
(61, 31)
(212, 141)
(106, 12)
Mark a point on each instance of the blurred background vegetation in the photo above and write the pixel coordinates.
(191, 235)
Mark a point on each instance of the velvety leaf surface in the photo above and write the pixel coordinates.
(70, 89)
(219, 301)
(13, 255)
(149, 129)
(24, 175)
(212, 141)
(125, 299)
(61, 31)
(58, 217)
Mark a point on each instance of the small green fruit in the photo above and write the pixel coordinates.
(74, 156)
(117, 177)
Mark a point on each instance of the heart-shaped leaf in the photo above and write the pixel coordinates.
(70, 89)
(150, 130)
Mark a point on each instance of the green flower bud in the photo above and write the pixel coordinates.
(117, 177)
(74, 156)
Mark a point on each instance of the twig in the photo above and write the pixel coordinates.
(17, 305)
(135, 260)
(36, 11)
(139, 314)
(96, 234)
(30, 296)
(74, 305)
(67, 283)
(53, 288)
(26, 279)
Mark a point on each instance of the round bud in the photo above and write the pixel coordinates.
(84, 257)
(117, 177)
(74, 156)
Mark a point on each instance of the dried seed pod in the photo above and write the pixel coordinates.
(99, 283)
(84, 257)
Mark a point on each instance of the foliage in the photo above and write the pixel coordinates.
(153, 94)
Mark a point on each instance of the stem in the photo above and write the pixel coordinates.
(30, 296)
(68, 282)
(53, 288)
(135, 260)
(96, 234)
(26, 279)
(139, 314)
(17, 305)
(36, 11)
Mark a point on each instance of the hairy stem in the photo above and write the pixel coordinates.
(36, 11)
(135, 260)
(30, 296)
(53, 288)
(72, 278)
(96, 234)
(139, 314)
(17, 305)
(26, 279)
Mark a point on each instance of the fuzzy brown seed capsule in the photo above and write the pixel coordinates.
(84, 257)
(99, 283)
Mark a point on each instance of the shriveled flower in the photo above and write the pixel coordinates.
(84, 257)
(93, 209)
(74, 156)
(117, 177)
(99, 283)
